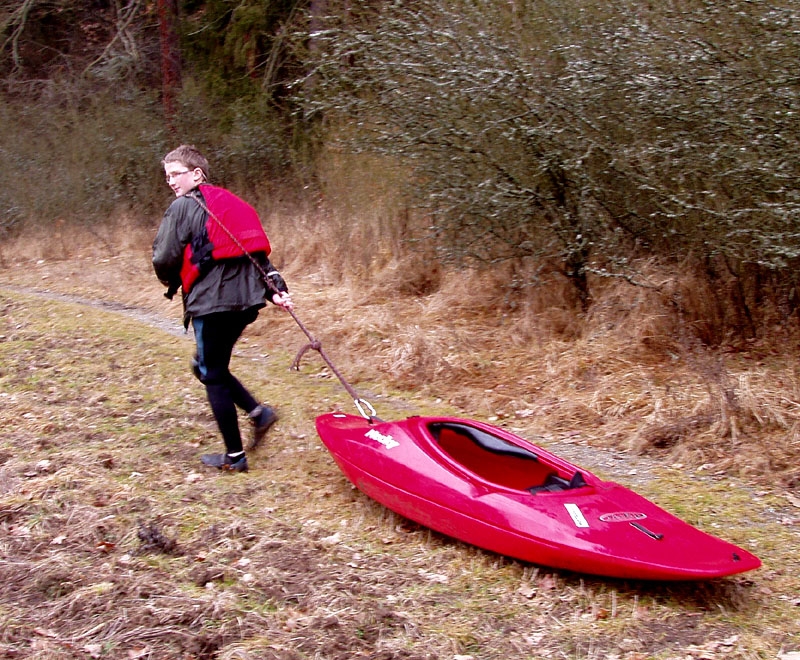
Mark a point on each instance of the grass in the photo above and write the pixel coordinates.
(115, 543)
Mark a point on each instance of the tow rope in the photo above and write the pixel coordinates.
(363, 406)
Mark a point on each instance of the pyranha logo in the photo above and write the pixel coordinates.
(622, 516)
(386, 440)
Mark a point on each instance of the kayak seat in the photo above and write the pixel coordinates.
(555, 483)
(488, 456)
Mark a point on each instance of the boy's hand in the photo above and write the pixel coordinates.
(283, 300)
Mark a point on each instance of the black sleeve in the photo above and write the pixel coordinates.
(275, 282)
(176, 230)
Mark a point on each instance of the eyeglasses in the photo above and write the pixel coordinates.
(175, 175)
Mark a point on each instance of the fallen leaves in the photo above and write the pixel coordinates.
(194, 477)
(713, 649)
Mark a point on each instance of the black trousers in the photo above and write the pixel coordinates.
(215, 336)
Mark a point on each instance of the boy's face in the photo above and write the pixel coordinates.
(181, 179)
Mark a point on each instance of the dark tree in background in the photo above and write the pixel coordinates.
(170, 57)
(91, 90)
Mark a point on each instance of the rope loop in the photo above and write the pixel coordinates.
(363, 403)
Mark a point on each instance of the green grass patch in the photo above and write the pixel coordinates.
(114, 541)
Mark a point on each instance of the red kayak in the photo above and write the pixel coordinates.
(488, 487)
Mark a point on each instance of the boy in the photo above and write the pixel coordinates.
(211, 244)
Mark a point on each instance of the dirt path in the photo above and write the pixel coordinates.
(148, 317)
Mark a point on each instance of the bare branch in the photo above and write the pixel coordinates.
(16, 21)
(125, 16)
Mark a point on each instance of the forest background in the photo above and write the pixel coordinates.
(560, 143)
(579, 221)
(570, 172)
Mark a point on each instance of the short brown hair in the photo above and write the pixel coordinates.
(189, 156)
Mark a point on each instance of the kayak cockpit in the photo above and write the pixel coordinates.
(486, 441)
(499, 461)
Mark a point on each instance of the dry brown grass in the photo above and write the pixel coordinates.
(113, 545)
(631, 374)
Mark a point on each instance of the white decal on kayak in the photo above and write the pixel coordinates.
(576, 515)
(386, 440)
(623, 516)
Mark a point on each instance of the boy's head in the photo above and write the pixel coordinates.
(186, 168)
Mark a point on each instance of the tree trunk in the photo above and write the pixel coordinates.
(170, 58)
(317, 11)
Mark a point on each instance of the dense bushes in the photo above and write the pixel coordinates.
(584, 135)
